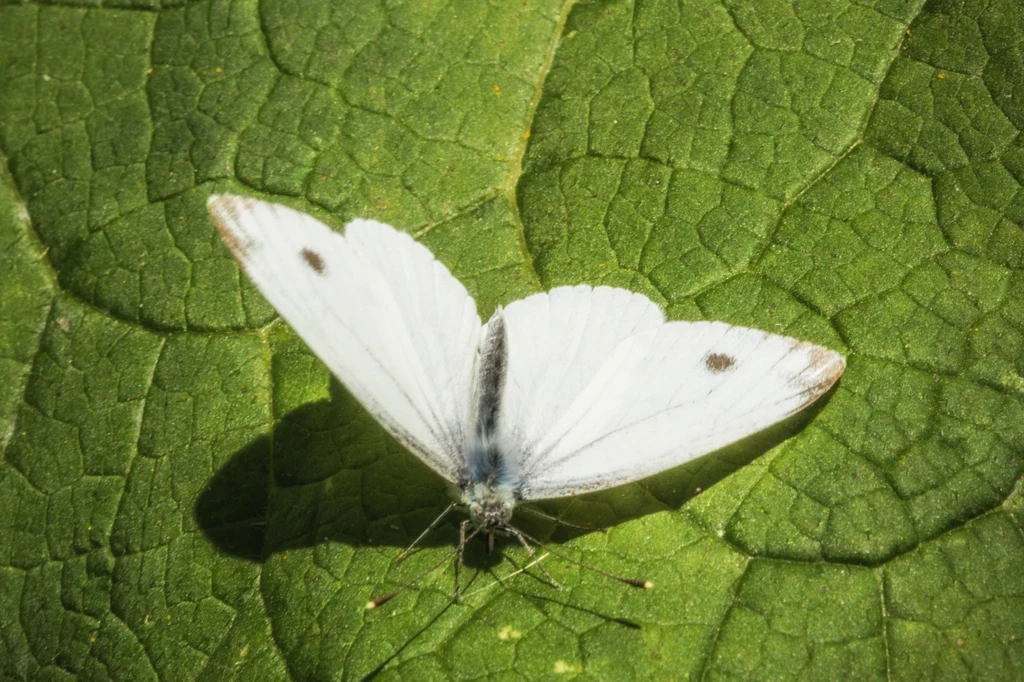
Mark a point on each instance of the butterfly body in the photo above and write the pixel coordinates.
(490, 478)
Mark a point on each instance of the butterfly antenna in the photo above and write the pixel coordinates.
(560, 522)
(643, 584)
(380, 601)
(432, 526)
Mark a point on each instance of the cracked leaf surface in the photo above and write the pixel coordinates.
(190, 494)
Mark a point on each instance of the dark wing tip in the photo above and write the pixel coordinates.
(226, 211)
(823, 369)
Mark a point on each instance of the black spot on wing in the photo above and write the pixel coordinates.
(716, 363)
(314, 260)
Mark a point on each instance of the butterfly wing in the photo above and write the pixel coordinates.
(657, 398)
(557, 341)
(387, 319)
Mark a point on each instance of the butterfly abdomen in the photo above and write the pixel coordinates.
(487, 463)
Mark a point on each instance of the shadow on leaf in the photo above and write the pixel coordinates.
(329, 472)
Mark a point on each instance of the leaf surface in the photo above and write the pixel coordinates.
(190, 496)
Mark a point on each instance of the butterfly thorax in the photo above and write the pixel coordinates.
(489, 506)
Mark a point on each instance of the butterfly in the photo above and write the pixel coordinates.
(576, 389)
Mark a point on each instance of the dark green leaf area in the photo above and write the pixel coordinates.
(76, 128)
(483, 248)
(954, 605)
(84, 399)
(190, 495)
(103, 544)
(25, 293)
(948, 109)
(619, 189)
(396, 120)
(209, 399)
(802, 621)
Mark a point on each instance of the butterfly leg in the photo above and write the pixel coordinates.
(422, 535)
(529, 550)
(458, 560)
(560, 522)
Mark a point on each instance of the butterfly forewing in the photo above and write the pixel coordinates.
(387, 319)
(668, 395)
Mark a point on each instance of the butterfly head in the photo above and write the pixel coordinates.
(489, 506)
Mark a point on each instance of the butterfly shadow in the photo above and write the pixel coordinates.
(329, 472)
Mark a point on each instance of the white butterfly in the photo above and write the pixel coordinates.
(579, 388)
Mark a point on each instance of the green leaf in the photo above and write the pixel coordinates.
(190, 495)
